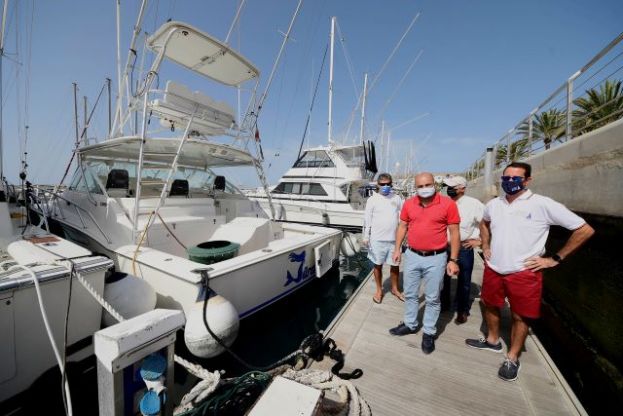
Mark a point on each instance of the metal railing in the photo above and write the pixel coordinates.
(50, 212)
(590, 98)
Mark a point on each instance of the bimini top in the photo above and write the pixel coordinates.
(201, 53)
(196, 153)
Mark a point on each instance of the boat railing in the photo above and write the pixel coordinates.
(50, 211)
(589, 99)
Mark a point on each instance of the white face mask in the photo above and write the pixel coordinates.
(426, 192)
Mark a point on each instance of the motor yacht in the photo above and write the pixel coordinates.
(155, 204)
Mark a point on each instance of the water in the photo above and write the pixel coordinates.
(276, 331)
(582, 322)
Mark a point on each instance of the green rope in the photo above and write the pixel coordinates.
(233, 396)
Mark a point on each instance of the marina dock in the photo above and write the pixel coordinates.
(399, 379)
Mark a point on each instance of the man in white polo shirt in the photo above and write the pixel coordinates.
(514, 231)
(379, 234)
(470, 211)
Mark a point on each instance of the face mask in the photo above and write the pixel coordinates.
(452, 192)
(512, 186)
(426, 192)
(386, 190)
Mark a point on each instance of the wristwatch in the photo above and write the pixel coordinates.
(454, 260)
(557, 258)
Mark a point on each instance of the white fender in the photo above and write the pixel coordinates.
(350, 245)
(130, 296)
(223, 319)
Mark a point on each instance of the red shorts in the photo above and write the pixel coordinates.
(523, 290)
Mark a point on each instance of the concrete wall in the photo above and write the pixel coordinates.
(585, 174)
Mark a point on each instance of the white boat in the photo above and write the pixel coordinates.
(35, 270)
(327, 185)
(150, 201)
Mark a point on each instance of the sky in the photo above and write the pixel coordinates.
(484, 65)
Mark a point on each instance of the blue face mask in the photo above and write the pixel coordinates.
(385, 190)
(513, 185)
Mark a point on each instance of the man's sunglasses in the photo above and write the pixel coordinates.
(385, 184)
(512, 178)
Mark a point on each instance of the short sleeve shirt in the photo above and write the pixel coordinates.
(519, 230)
(427, 226)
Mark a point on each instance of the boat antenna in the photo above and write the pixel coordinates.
(234, 22)
(311, 106)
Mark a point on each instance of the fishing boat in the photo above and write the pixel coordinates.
(154, 202)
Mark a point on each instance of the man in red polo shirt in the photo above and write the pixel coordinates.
(426, 219)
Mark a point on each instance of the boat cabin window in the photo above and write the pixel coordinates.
(299, 189)
(353, 157)
(314, 159)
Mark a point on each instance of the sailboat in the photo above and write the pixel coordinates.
(152, 201)
(328, 184)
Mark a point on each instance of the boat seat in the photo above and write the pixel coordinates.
(179, 188)
(118, 183)
(179, 103)
(219, 183)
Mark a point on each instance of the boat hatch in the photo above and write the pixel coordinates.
(195, 153)
(201, 53)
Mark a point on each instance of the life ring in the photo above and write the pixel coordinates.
(212, 252)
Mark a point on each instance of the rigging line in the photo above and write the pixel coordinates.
(311, 107)
(349, 64)
(29, 65)
(402, 80)
(234, 22)
(391, 55)
(276, 64)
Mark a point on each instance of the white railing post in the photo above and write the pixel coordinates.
(569, 129)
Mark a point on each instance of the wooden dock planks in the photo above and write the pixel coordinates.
(399, 379)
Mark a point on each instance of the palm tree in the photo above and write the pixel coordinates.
(598, 107)
(549, 126)
(519, 149)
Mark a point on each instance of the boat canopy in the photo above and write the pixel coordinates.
(197, 153)
(201, 53)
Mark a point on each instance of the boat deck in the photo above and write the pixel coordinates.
(399, 379)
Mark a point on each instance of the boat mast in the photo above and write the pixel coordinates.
(363, 107)
(332, 42)
(4, 11)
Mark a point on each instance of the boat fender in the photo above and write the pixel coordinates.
(349, 245)
(223, 319)
(128, 295)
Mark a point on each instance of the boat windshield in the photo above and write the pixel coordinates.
(314, 159)
(154, 176)
(352, 156)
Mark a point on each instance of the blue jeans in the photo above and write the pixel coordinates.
(463, 285)
(430, 270)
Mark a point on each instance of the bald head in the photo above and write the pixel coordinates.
(424, 179)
